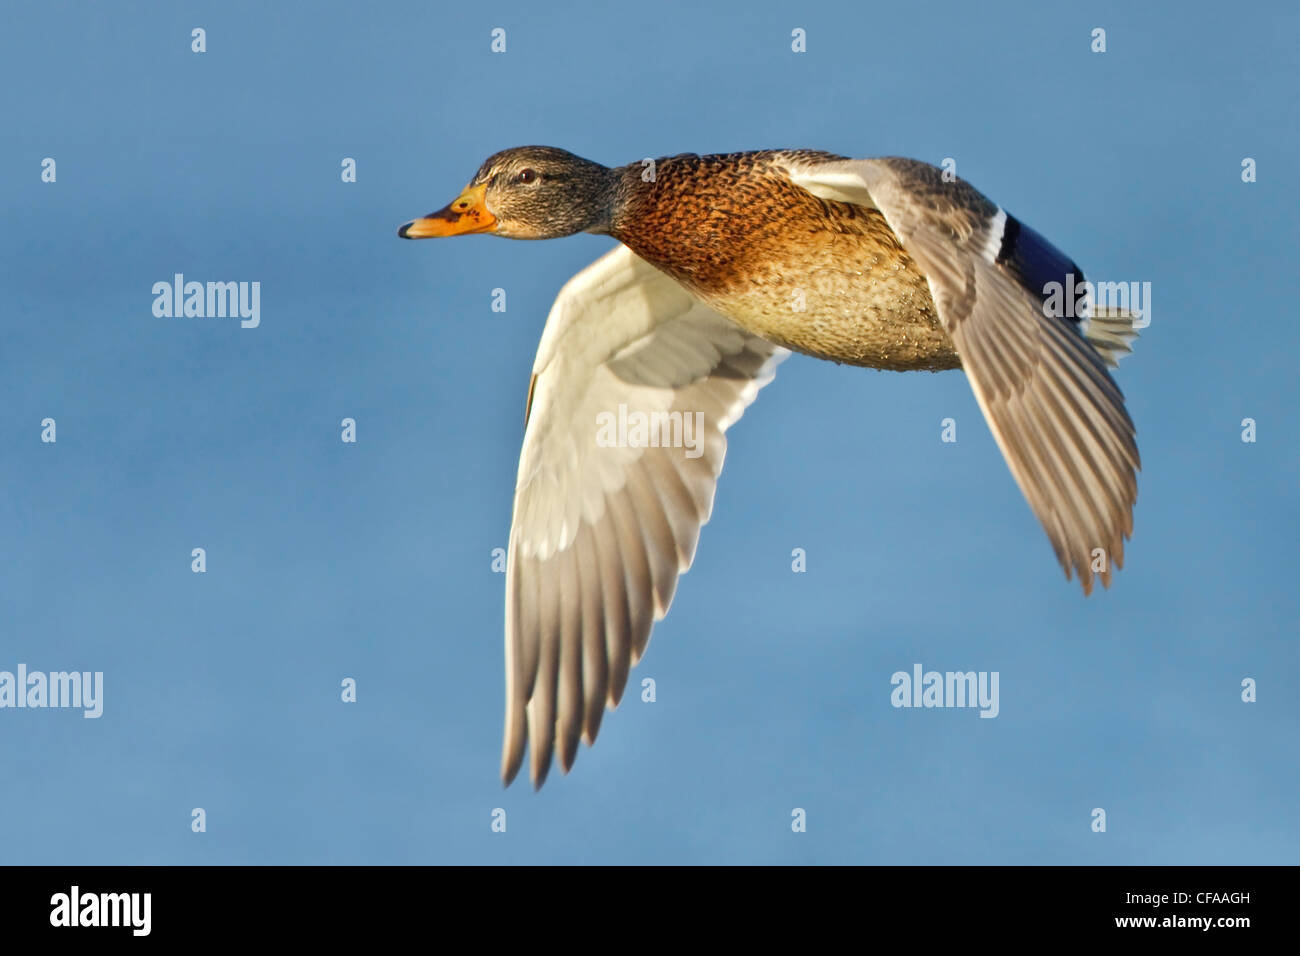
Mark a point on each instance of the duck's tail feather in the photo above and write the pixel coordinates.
(1111, 332)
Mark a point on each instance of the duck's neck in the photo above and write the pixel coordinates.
(611, 188)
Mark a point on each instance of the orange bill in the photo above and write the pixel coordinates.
(467, 214)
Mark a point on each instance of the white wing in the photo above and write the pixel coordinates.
(603, 528)
(1053, 409)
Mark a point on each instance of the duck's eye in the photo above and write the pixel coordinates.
(526, 176)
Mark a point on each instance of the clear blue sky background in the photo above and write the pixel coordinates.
(372, 560)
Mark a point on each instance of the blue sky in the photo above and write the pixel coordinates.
(373, 561)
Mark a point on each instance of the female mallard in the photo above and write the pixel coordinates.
(727, 262)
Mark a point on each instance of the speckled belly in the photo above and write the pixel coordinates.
(847, 298)
(822, 277)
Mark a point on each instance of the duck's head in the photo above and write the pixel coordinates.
(530, 192)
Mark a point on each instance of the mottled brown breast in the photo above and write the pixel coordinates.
(826, 278)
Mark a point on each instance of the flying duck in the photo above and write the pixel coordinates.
(727, 263)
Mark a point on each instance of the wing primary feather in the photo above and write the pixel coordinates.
(569, 710)
(541, 705)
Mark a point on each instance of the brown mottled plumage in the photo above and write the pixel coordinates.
(829, 279)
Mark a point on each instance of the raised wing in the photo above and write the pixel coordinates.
(1053, 409)
(634, 385)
